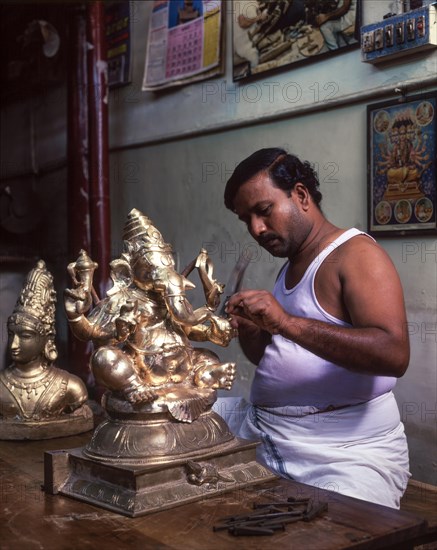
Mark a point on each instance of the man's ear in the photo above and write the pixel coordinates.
(302, 195)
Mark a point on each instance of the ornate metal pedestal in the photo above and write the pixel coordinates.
(142, 459)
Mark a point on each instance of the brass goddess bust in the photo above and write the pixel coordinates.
(38, 400)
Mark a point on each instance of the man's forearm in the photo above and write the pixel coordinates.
(370, 350)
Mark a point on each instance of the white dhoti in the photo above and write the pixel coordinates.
(359, 451)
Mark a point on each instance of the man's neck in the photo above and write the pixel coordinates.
(322, 233)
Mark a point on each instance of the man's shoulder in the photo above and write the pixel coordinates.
(342, 242)
(356, 247)
(362, 250)
(359, 241)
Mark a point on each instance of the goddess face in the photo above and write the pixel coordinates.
(25, 343)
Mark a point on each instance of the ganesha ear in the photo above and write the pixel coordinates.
(121, 274)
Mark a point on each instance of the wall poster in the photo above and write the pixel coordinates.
(185, 42)
(272, 34)
(117, 16)
(402, 166)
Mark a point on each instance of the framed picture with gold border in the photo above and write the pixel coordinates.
(402, 166)
(269, 35)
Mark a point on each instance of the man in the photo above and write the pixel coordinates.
(335, 22)
(247, 14)
(329, 341)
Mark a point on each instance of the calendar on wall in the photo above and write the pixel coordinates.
(185, 42)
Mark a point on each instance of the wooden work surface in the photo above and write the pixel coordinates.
(30, 518)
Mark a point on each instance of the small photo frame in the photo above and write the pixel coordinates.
(402, 166)
(268, 35)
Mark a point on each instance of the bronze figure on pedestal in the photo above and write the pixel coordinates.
(161, 444)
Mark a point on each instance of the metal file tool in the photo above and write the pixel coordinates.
(236, 278)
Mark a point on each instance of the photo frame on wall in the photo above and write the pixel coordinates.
(270, 34)
(402, 166)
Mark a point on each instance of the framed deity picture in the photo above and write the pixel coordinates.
(402, 166)
(269, 34)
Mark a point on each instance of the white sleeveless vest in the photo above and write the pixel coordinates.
(288, 374)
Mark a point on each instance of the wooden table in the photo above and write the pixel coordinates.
(30, 518)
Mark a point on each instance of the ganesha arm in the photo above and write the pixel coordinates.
(183, 313)
(219, 331)
(85, 331)
(211, 287)
(76, 304)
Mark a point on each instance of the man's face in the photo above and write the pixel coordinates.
(274, 219)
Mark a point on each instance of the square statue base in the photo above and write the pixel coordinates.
(138, 490)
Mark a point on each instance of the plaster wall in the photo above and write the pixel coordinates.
(173, 152)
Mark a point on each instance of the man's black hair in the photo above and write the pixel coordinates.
(284, 169)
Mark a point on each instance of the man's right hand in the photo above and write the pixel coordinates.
(258, 306)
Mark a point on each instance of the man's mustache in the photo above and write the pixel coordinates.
(265, 238)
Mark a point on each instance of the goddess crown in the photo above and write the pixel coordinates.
(37, 300)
